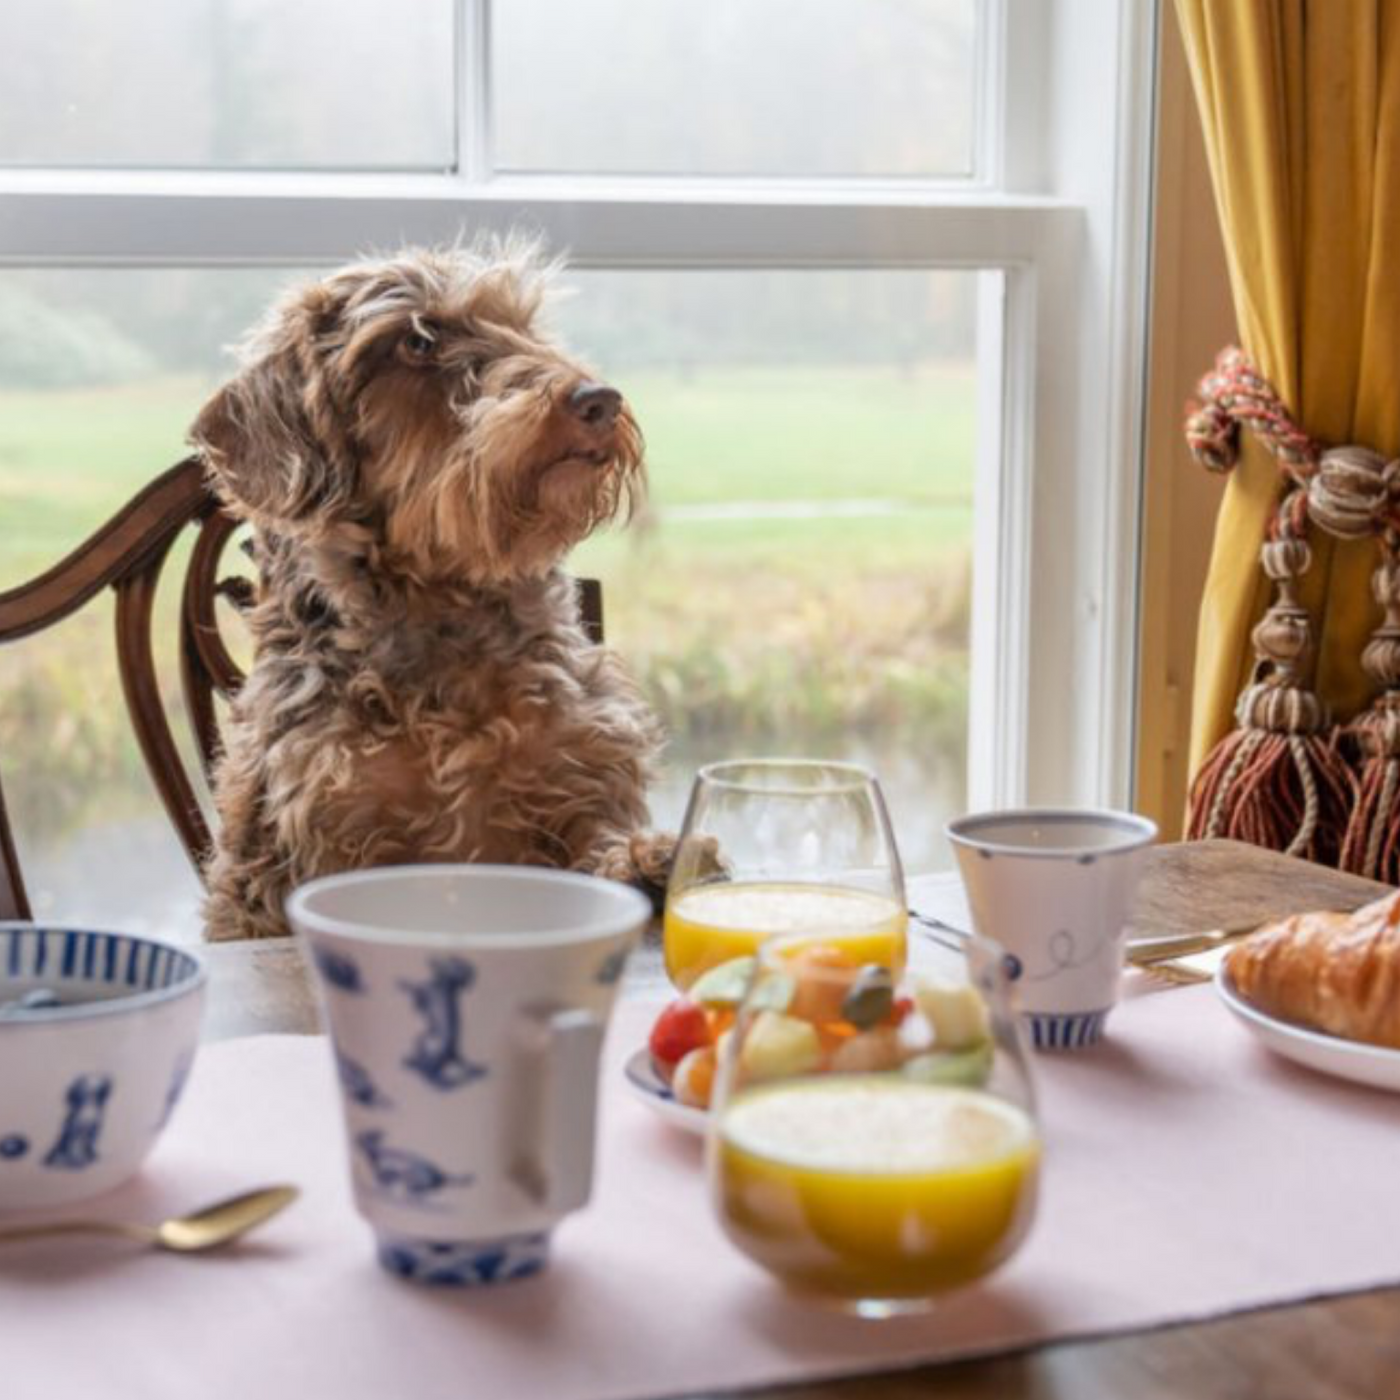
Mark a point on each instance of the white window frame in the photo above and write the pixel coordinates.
(1059, 206)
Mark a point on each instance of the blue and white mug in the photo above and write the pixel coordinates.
(466, 1006)
(1055, 887)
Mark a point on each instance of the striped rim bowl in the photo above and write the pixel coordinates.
(88, 973)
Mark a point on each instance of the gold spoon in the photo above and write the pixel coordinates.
(185, 1234)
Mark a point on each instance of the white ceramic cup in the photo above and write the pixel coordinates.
(1055, 888)
(466, 1006)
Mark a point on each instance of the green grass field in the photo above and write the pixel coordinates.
(835, 613)
(70, 458)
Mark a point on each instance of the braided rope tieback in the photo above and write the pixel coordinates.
(1280, 779)
(1286, 777)
(1235, 395)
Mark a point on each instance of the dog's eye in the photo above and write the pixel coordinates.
(418, 345)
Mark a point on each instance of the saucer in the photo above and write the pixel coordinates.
(653, 1091)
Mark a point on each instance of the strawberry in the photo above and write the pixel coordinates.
(681, 1028)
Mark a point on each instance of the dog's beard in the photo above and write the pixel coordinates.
(557, 506)
(532, 494)
(587, 488)
(474, 521)
(499, 490)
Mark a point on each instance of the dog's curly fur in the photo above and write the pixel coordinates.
(416, 458)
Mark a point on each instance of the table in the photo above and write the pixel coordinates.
(1327, 1350)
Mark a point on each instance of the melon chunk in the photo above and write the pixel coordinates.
(778, 1046)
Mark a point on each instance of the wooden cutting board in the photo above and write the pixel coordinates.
(1199, 885)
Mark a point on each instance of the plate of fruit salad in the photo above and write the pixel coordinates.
(674, 1074)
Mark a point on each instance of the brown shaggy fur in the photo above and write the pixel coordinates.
(416, 458)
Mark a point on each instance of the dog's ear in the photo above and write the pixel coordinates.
(258, 441)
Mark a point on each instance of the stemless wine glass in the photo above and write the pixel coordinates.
(777, 846)
(873, 1140)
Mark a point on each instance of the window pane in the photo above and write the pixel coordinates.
(360, 84)
(101, 373)
(801, 581)
(735, 87)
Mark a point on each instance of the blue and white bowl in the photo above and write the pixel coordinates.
(97, 1035)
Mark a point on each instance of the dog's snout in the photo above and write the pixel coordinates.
(597, 405)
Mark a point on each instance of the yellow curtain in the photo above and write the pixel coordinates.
(1300, 105)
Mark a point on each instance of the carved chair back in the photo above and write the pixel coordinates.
(128, 555)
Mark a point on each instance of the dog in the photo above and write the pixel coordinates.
(416, 457)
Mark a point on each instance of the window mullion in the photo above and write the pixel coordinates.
(472, 98)
(989, 125)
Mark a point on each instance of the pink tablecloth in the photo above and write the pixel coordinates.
(1188, 1173)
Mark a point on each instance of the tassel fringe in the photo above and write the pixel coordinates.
(1372, 845)
(1287, 792)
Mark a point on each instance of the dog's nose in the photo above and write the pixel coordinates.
(595, 404)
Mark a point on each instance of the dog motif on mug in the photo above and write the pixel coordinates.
(437, 1054)
(357, 1082)
(409, 1177)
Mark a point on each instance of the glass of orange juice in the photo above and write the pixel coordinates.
(873, 1139)
(783, 846)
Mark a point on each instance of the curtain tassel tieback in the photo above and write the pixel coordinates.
(1278, 780)
(1286, 777)
(1372, 846)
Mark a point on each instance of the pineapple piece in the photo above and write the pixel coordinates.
(955, 1010)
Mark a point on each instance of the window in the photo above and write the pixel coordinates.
(647, 87)
(871, 274)
(227, 84)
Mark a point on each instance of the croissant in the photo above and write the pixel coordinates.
(1338, 973)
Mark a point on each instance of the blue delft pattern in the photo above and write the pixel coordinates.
(437, 1053)
(338, 970)
(55, 956)
(76, 1145)
(70, 965)
(355, 1080)
(1065, 1032)
(178, 1076)
(407, 1178)
(465, 1263)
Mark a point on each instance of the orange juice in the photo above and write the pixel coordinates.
(710, 924)
(874, 1186)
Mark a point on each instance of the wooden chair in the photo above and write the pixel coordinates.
(128, 555)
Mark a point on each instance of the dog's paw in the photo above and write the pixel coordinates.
(652, 854)
(643, 861)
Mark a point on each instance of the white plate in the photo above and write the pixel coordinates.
(1347, 1059)
(653, 1091)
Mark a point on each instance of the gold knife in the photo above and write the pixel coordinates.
(1143, 952)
